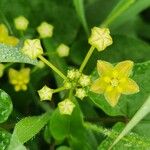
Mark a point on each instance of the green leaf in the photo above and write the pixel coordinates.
(63, 126)
(130, 142)
(13, 54)
(27, 128)
(141, 113)
(79, 6)
(5, 106)
(117, 11)
(135, 9)
(71, 127)
(4, 139)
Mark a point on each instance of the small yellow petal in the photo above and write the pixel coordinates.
(13, 41)
(112, 97)
(98, 86)
(24, 87)
(17, 88)
(124, 68)
(104, 68)
(3, 30)
(130, 87)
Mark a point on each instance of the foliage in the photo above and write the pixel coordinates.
(88, 121)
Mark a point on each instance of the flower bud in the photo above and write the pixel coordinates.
(80, 93)
(45, 93)
(32, 48)
(100, 38)
(45, 30)
(21, 23)
(84, 80)
(63, 50)
(66, 107)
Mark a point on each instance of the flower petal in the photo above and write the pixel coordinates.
(98, 86)
(130, 87)
(124, 68)
(103, 67)
(112, 96)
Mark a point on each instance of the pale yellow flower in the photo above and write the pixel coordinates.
(80, 93)
(114, 81)
(45, 93)
(5, 38)
(32, 48)
(63, 50)
(21, 23)
(19, 79)
(66, 107)
(45, 30)
(100, 38)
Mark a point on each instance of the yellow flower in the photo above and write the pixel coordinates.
(45, 93)
(32, 48)
(19, 79)
(2, 67)
(45, 30)
(100, 38)
(66, 107)
(63, 50)
(21, 23)
(5, 38)
(114, 81)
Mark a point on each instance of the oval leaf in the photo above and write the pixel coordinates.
(5, 106)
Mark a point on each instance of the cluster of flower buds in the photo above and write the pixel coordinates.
(79, 81)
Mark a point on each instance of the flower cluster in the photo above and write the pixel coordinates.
(113, 81)
(5, 38)
(79, 81)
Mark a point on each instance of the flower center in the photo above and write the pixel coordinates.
(114, 82)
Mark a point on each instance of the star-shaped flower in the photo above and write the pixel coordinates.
(21, 23)
(45, 30)
(114, 81)
(100, 38)
(63, 50)
(32, 48)
(66, 107)
(45, 93)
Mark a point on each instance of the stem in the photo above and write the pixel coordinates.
(59, 89)
(53, 67)
(87, 57)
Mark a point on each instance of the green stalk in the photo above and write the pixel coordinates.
(87, 57)
(53, 67)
